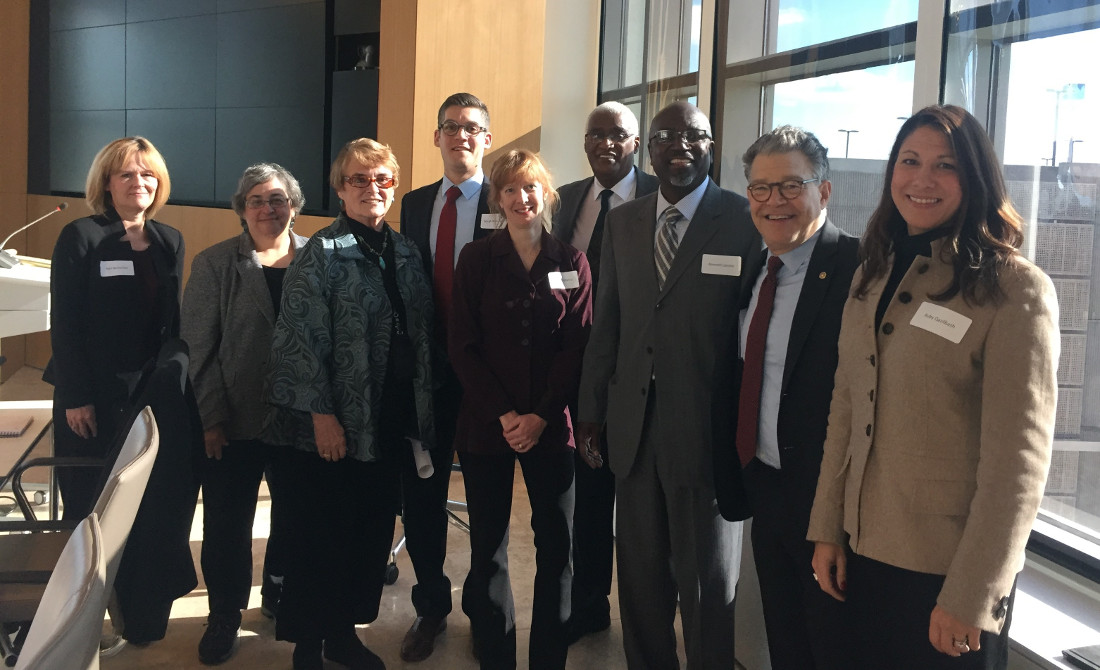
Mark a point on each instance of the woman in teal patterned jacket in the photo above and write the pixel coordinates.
(351, 372)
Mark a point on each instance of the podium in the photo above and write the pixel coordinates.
(24, 300)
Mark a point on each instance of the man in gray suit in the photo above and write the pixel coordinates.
(610, 142)
(667, 306)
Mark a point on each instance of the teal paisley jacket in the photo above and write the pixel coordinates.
(332, 340)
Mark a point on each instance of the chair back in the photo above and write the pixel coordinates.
(66, 629)
(118, 503)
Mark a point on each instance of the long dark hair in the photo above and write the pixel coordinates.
(986, 229)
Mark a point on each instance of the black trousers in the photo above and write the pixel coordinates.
(807, 628)
(424, 511)
(229, 489)
(487, 592)
(890, 609)
(593, 536)
(341, 525)
(79, 486)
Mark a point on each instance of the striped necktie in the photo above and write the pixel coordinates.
(667, 241)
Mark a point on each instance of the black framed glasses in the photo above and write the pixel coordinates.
(451, 128)
(362, 180)
(790, 189)
(690, 136)
(597, 135)
(275, 202)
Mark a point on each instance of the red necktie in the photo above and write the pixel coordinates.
(444, 271)
(752, 375)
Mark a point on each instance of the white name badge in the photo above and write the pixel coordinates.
(493, 221)
(941, 321)
(714, 264)
(563, 279)
(116, 268)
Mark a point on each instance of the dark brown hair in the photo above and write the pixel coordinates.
(985, 232)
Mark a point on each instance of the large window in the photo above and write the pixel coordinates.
(851, 72)
(1019, 71)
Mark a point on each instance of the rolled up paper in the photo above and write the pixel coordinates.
(422, 459)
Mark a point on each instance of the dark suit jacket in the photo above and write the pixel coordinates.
(572, 197)
(675, 333)
(807, 375)
(516, 342)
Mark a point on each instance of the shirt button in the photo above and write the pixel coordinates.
(872, 395)
(921, 269)
(525, 323)
(868, 430)
(649, 350)
(525, 342)
(526, 303)
(887, 328)
(905, 297)
(872, 359)
(644, 391)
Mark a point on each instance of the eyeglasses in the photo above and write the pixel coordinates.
(616, 135)
(790, 189)
(362, 180)
(691, 136)
(451, 128)
(275, 202)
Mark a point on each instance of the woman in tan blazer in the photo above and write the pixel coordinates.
(942, 416)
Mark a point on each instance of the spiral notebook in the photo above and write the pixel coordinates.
(14, 425)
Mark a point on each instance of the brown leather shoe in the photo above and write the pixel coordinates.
(419, 642)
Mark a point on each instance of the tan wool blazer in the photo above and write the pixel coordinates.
(937, 452)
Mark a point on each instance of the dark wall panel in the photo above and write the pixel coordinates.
(185, 137)
(70, 14)
(171, 63)
(245, 5)
(153, 10)
(289, 136)
(88, 69)
(75, 138)
(273, 57)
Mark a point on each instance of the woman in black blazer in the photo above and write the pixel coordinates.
(115, 288)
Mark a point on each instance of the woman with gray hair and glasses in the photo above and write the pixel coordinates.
(229, 312)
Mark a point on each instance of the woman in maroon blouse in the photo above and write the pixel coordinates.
(522, 310)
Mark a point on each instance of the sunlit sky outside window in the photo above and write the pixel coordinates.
(806, 22)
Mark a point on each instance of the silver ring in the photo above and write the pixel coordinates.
(962, 645)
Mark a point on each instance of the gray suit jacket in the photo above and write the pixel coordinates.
(572, 197)
(227, 323)
(675, 334)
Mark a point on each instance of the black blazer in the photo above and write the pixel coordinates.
(807, 374)
(572, 196)
(95, 328)
(416, 219)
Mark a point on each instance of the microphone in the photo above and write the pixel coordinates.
(8, 260)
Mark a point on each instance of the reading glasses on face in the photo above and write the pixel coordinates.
(451, 128)
(690, 136)
(362, 180)
(275, 202)
(595, 135)
(790, 189)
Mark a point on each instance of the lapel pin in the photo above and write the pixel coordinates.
(823, 275)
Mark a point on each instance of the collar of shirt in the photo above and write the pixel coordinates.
(470, 188)
(794, 259)
(687, 206)
(624, 190)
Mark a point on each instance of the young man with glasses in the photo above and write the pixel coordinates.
(440, 219)
(610, 142)
(788, 353)
(670, 283)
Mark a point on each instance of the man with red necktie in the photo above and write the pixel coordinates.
(441, 218)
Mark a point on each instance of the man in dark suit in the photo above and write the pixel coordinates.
(788, 348)
(440, 219)
(610, 142)
(670, 278)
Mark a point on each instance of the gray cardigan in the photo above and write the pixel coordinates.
(227, 322)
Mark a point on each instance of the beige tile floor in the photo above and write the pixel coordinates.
(259, 649)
